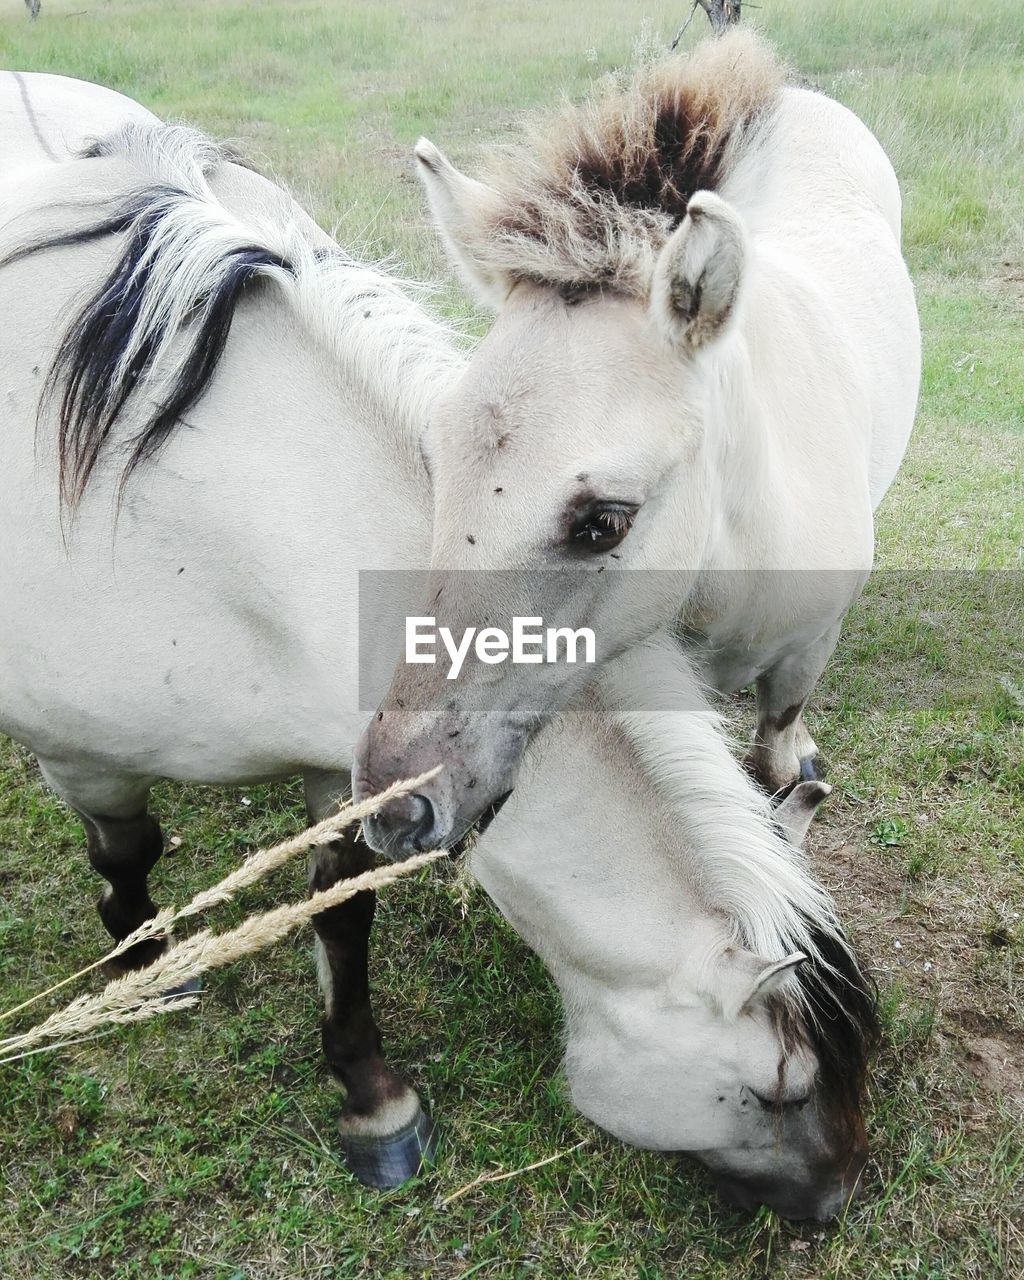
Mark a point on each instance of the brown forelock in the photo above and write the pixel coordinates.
(838, 1021)
(627, 162)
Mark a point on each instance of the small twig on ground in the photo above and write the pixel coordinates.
(503, 1177)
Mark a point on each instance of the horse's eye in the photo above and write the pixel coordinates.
(783, 1104)
(602, 527)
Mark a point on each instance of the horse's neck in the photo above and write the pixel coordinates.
(590, 861)
(665, 841)
(746, 487)
(386, 354)
(300, 454)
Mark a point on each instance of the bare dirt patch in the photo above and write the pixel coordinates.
(941, 944)
(997, 1063)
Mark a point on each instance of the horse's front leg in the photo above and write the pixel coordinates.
(124, 843)
(386, 1133)
(783, 751)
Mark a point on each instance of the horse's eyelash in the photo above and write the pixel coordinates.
(617, 520)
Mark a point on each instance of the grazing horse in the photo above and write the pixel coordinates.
(641, 863)
(704, 365)
(220, 396)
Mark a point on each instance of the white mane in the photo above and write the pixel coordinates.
(377, 329)
(744, 866)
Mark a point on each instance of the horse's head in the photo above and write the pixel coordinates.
(733, 1065)
(754, 1067)
(572, 447)
(646, 873)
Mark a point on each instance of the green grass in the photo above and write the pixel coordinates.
(204, 1146)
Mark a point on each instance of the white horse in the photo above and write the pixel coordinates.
(704, 365)
(195, 621)
(640, 862)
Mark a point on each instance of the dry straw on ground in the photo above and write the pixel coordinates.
(142, 993)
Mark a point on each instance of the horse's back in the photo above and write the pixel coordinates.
(825, 215)
(46, 118)
(826, 159)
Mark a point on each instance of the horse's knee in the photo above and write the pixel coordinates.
(124, 852)
(122, 849)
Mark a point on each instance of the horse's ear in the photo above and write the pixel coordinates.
(698, 276)
(795, 813)
(740, 979)
(460, 205)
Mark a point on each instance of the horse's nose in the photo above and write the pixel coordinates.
(822, 1198)
(401, 828)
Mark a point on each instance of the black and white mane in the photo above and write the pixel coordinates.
(153, 333)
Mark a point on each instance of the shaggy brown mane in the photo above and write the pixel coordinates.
(588, 197)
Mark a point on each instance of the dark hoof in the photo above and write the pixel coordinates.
(812, 769)
(392, 1160)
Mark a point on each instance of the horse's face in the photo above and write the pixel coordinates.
(713, 1054)
(575, 441)
(564, 444)
(570, 450)
(741, 1092)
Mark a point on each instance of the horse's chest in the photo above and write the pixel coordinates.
(740, 623)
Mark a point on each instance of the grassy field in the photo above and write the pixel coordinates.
(203, 1146)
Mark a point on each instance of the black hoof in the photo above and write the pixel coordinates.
(394, 1159)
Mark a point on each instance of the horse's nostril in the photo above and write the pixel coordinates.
(403, 827)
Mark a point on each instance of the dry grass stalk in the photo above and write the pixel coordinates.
(263, 861)
(504, 1177)
(255, 867)
(144, 992)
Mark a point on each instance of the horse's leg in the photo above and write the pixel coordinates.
(783, 752)
(386, 1134)
(124, 843)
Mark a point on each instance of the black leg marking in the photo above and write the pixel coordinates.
(385, 1131)
(124, 852)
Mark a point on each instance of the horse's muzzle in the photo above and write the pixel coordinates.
(402, 828)
(820, 1199)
